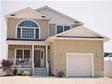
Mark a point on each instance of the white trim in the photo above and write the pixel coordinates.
(34, 33)
(33, 59)
(41, 49)
(47, 66)
(67, 38)
(22, 51)
(22, 10)
(15, 42)
(22, 54)
(92, 60)
(22, 68)
(28, 27)
(21, 32)
(73, 29)
(15, 54)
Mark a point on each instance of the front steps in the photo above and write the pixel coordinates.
(40, 72)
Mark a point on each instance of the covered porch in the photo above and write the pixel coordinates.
(26, 55)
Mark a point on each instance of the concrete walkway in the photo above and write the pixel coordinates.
(53, 80)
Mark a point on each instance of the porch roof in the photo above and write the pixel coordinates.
(25, 39)
(26, 42)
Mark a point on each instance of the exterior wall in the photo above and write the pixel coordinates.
(51, 58)
(11, 53)
(52, 29)
(78, 46)
(12, 23)
(56, 18)
(43, 28)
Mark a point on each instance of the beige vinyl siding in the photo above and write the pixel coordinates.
(12, 23)
(43, 28)
(74, 25)
(51, 57)
(79, 46)
(52, 29)
(11, 27)
(11, 53)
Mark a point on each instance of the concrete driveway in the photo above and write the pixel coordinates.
(53, 80)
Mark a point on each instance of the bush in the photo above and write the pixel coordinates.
(26, 73)
(60, 74)
(11, 74)
(6, 66)
(15, 71)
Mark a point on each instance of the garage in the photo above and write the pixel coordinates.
(79, 64)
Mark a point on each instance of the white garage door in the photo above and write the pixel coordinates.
(79, 64)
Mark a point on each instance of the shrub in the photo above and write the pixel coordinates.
(11, 74)
(26, 73)
(6, 66)
(15, 71)
(60, 74)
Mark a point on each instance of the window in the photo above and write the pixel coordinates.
(28, 30)
(27, 33)
(66, 28)
(22, 55)
(19, 54)
(26, 54)
(62, 29)
(23, 58)
(18, 32)
(37, 33)
(59, 29)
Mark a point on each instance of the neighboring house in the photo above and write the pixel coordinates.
(107, 54)
(108, 64)
(45, 41)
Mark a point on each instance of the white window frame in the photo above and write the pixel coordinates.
(22, 53)
(63, 28)
(28, 27)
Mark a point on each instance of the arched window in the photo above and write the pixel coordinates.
(28, 30)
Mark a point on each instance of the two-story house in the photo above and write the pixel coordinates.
(45, 41)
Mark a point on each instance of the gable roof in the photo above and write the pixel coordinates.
(27, 13)
(80, 32)
(46, 7)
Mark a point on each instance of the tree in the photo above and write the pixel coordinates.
(6, 66)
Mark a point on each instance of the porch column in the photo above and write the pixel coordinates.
(47, 66)
(33, 59)
(8, 51)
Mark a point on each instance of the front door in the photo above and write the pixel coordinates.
(37, 58)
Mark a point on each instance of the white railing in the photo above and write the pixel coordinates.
(21, 63)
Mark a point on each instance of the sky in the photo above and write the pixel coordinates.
(96, 15)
